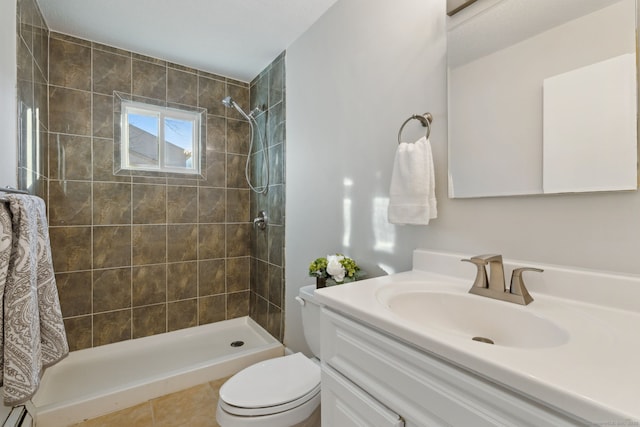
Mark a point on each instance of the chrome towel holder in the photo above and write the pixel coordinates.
(425, 119)
(12, 190)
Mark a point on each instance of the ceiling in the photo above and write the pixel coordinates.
(233, 38)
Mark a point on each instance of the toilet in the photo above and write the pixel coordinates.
(280, 392)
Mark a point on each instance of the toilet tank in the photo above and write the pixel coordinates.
(310, 318)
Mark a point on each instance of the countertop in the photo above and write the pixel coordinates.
(595, 375)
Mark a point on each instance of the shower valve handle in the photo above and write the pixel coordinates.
(261, 220)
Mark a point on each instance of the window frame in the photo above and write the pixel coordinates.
(161, 113)
(125, 104)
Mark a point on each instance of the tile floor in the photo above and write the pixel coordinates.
(193, 407)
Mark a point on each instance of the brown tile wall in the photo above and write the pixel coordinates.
(32, 37)
(136, 256)
(267, 252)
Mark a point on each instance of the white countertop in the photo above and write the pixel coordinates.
(595, 375)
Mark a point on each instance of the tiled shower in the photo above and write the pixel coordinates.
(140, 255)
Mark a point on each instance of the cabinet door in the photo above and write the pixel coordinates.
(426, 390)
(345, 405)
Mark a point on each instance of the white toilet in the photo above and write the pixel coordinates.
(280, 392)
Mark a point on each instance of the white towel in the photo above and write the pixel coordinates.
(412, 197)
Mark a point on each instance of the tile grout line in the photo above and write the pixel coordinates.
(198, 216)
(132, 333)
(93, 337)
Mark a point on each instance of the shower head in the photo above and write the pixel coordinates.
(230, 103)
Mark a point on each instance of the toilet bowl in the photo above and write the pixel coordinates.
(280, 392)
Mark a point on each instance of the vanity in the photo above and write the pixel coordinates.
(417, 349)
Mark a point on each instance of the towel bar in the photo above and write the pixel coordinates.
(8, 189)
(425, 119)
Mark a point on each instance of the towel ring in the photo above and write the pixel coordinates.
(425, 119)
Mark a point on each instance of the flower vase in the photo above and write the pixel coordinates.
(321, 282)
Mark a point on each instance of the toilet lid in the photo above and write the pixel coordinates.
(272, 382)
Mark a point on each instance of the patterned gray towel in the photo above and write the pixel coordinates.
(33, 331)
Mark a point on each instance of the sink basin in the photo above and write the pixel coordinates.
(474, 317)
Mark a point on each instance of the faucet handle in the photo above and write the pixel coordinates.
(261, 220)
(487, 258)
(517, 283)
(481, 276)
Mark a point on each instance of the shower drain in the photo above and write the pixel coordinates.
(237, 344)
(483, 339)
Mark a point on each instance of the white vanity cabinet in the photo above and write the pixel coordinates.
(345, 404)
(372, 379)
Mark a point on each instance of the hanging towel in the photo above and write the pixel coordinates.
(412, 197)
(33, 331)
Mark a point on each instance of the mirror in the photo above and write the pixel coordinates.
(542, 97)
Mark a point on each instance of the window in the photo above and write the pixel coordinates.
(157, 138)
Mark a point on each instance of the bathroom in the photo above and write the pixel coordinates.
(351, 79)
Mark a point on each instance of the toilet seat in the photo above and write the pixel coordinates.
(269, 410)
(271, 387)
(292, 417)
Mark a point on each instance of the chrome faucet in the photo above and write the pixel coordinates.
(494, 285)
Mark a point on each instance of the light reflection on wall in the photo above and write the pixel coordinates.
(346, 212)
(29, 143)
(37, 132)
(29, 146)
(383, 232)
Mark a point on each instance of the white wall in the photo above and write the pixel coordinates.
(8, 70)
(352, 79)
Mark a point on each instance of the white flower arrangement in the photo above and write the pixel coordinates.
(335, 269)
